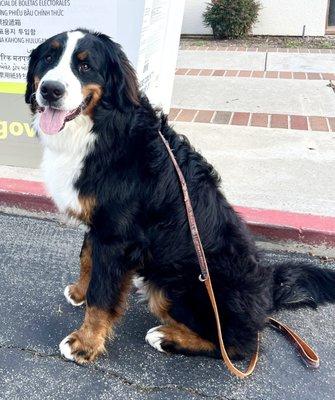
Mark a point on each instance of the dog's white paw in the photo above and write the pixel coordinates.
(138, 281)
(70, 299)
(141, 288)
(154, 337)
(65, 349)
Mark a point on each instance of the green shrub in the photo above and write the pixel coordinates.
(231, 18)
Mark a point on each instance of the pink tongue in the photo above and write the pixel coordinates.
(52, 121)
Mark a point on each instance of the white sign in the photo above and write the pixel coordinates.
(148, 30)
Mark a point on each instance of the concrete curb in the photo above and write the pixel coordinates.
(28, 195)
(271, 224)
(285, 225)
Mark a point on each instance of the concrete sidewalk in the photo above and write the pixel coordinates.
(254, 95)
(270, 168)
(256, 61)
(283, 169)
(215, 59)
(27, 174)
(39, 258)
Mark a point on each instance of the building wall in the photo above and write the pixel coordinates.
(192, 22)
(277, 17)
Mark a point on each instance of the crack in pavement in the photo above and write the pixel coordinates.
(140, 387)
(31, 351)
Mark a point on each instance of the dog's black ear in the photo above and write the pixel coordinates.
(30, 89)
(121, 89)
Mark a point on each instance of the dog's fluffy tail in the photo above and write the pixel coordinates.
(302, 284)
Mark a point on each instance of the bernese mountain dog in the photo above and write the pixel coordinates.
(105, 164)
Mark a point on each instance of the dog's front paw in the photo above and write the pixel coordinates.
(74, 295)
(82, 347)
(155, 337)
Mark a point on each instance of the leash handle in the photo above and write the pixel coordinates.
(205, 276)
(308, 355)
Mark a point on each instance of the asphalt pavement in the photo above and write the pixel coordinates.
(39, 258)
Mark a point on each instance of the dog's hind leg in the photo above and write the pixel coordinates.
(177, 338)
(173, 336)
(76, 293)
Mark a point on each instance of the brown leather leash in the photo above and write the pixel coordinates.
(307, 353)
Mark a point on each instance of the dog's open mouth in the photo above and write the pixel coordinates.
(53, 120)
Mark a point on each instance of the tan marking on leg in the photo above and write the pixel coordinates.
(158, 303)
(185, 337)
(96, 92)
(87, 205)
(122, 305)
(78, 290)
(88, 342)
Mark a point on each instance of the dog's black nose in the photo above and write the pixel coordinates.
(52, 90)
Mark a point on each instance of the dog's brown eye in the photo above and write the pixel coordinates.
(48, 58)
(83, 67)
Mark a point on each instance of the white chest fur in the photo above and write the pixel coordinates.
(63, 158)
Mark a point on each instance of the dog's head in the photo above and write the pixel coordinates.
(72, 73)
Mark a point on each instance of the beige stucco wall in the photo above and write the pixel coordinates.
(192, 22)
(277, 17)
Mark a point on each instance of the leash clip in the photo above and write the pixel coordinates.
(202, 278)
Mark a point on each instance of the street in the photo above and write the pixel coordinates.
(39, 258)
